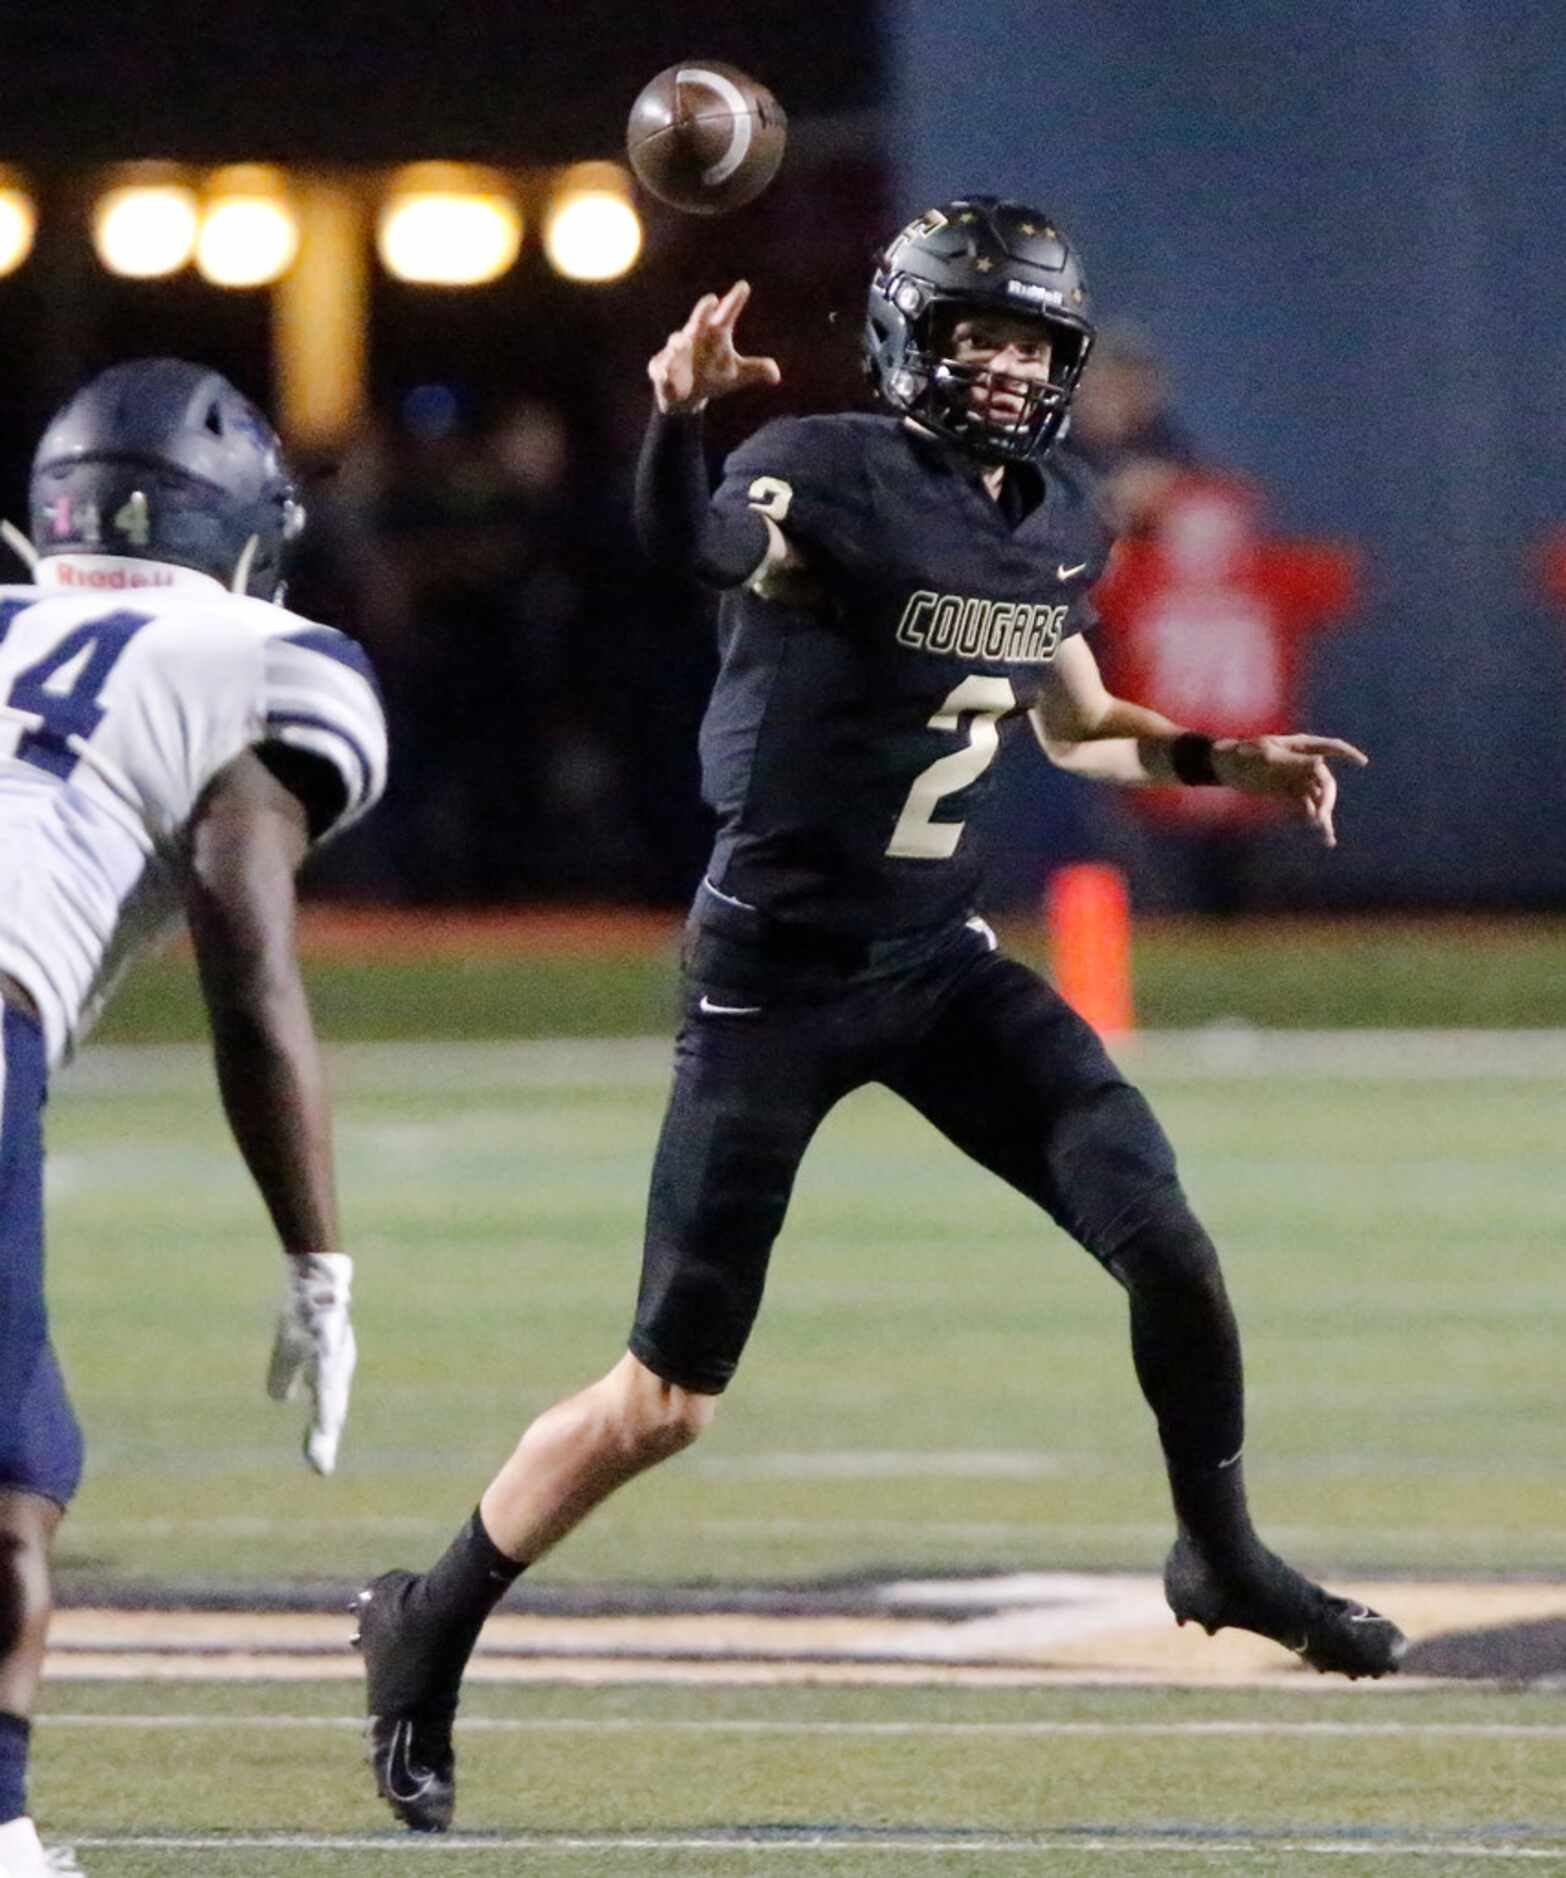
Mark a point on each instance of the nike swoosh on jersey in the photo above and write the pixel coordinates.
(709, 1009)
(1069, 573)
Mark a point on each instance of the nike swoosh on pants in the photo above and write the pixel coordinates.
(709, 1009)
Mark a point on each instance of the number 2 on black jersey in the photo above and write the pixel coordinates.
(74, 712)
(983, 701)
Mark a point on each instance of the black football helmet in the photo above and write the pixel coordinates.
(977, 254)
(165, 461)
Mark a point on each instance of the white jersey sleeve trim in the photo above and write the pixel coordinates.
(321, 697)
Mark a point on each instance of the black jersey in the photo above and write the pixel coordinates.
(856, 716)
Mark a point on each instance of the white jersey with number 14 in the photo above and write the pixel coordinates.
(116, 712)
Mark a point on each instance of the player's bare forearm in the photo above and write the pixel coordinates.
(246, 847)
(1110, 760)
(1082, 727)
(274, 1093)
(1107, 739)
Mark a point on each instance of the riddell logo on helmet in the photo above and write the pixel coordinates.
(1037, 296)
(112, 579)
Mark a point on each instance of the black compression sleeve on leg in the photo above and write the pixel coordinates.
(1186, 1345)
(675, 521)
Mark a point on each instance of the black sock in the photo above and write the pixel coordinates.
(1210, 1504)
(1186, 1346)
(15, 1734)
(464, 1585)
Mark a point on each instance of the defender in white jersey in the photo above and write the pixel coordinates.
(172, 744)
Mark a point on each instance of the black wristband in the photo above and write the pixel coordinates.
(1191, 759)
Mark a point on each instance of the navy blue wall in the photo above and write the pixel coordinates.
(1346, 225)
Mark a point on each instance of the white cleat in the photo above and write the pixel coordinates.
(22, 1854)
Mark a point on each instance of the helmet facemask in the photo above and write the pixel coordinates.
(998, 416)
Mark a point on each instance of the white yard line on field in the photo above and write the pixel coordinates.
(727, 1844)
(1215, 1052)
(620, 1724)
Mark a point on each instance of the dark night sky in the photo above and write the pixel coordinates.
(363, 81)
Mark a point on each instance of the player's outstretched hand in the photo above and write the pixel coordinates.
(1297, 765)
(314, 1349)
(701, 361)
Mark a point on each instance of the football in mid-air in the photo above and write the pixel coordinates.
(705, 137)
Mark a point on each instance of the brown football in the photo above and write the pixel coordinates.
(705, 137)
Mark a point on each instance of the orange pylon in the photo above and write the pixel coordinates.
(1087, 914)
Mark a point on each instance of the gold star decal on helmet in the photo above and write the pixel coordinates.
(968, 216)
(1029, 229)
(984, 264)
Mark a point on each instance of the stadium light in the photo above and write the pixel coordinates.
(145, 229)
(591, 228)
(249, 233)
(18, 223)
(447, 225)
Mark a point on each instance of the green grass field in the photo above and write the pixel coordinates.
(415, 976)
(940, 1383)
(1393, 1244)
(576, 1783)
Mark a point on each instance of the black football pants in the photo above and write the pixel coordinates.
(777, 1029)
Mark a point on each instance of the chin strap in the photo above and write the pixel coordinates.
(241, 581)
(19, 545)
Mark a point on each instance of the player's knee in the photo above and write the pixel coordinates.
(1108, 1159)
(25, 1602)
(684, 1417)
(656, 1419)
(1169, 1253)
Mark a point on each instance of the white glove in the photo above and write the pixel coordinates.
(315, 1347)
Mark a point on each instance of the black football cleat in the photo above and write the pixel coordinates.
(411, 1699)
(1329, 1633)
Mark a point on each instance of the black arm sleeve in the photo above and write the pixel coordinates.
(314, 781)
(675, 521)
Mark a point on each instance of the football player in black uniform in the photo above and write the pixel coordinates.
(896, 588)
